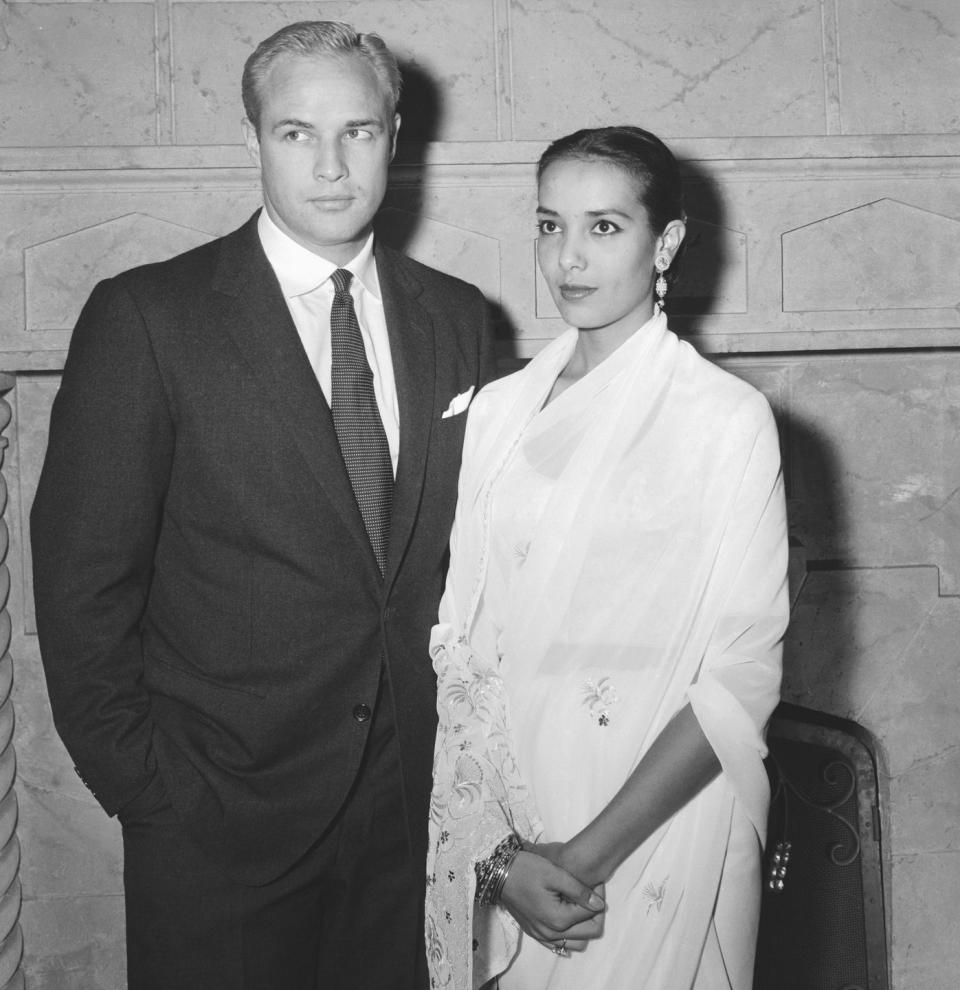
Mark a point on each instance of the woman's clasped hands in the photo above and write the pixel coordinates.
(549, 903)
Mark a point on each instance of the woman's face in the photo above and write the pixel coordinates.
(595, 247)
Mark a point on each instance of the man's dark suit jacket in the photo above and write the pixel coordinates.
(211, 617)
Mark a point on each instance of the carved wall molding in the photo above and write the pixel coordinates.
(785, 254)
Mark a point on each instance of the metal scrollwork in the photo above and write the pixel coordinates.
(833, 774)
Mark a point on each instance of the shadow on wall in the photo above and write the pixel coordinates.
(818, 517)
(421, 110)
(705, 255)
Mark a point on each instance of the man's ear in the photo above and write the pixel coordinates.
(396, 131)
(251, 140)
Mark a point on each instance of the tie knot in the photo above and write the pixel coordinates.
(341, 281)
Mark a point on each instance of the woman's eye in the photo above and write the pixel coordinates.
(605, 227)
(546, 226)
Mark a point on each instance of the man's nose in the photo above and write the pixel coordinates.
(330, 164)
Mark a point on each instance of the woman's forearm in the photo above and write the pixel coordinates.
(678, 765)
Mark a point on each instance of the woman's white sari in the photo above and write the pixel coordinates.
(616, 554)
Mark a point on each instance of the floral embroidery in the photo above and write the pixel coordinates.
(599, 697)
(655, 894)
(520, 551)
(440, 975)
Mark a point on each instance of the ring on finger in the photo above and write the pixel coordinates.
(561, 949)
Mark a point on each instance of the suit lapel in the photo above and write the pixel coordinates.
(411, 331)
(263, 331)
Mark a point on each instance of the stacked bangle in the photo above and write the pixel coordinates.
(492, 871)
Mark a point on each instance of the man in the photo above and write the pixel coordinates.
(239, 544)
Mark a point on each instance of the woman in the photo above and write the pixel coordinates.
(608, 647)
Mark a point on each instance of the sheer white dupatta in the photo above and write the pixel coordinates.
(657, 563)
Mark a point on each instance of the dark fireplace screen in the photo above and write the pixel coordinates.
(822, 920)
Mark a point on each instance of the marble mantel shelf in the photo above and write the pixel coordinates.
(739, 149)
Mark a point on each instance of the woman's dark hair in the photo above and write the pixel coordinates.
(642, 154)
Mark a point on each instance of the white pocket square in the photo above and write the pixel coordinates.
(458, 404)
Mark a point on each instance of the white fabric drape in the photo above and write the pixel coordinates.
(616, 554)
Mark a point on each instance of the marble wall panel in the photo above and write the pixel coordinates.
(917, 704)
(925, 802)
(883, 255)
(849, 631)
(497, 215)
(925, 950)
(467, 254)
(839, 250)
(689, 68)
(895, 58)
(89, 234)
(77, 74)
(875, 460)
(77, 942)
(451, 86)
(57, 271)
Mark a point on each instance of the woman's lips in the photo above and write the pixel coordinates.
(573, 292)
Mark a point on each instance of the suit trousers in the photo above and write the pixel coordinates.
(348, 915)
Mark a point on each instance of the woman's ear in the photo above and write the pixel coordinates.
(672, 237)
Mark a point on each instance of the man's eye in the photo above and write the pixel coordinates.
(294, 135)
(359, 134)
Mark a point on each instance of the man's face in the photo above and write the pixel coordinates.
(324, 146)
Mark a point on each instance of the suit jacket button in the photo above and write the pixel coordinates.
(362, 713)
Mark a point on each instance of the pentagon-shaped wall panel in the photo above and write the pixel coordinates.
(464, 253)
(60, 273)
(879, 256)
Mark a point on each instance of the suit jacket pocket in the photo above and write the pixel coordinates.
(163, 677)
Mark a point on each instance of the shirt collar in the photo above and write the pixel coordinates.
(300, 271)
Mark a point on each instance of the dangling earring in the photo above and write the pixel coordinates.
(662, 264)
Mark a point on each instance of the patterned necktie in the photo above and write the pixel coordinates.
(356, 419)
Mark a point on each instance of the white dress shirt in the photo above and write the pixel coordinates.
(306, 285)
